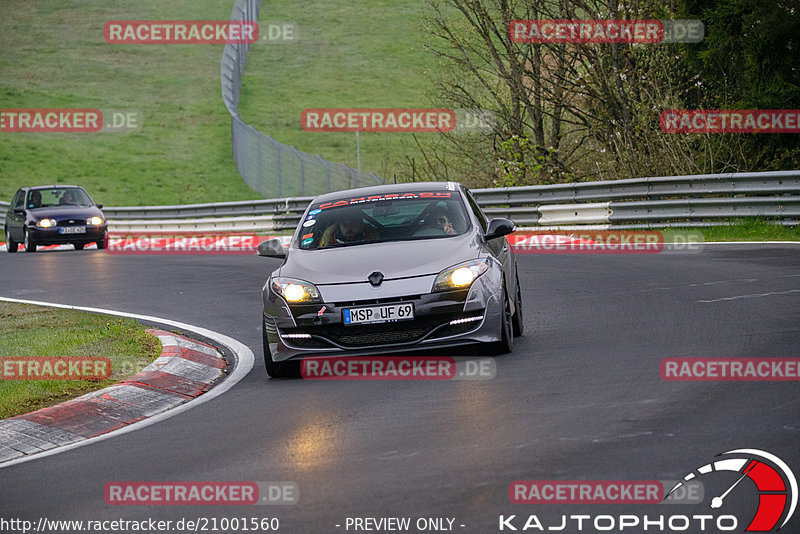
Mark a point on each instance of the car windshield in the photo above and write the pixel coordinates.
(380, 218)
(57, 196)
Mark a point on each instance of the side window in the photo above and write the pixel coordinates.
(16, 203)
(477, 211)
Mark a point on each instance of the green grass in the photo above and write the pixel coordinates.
(355, 54)
(747, 230)
(27, 330)
(54, 56)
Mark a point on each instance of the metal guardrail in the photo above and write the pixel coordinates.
(701, 200)
(266, 165)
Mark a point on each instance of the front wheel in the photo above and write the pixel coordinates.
(103, 243)
(506, 343)
(78, 246)
(30, 246)
(11, 245)
(274, 369)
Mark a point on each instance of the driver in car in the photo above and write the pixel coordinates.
(350, 229)
(35, 200)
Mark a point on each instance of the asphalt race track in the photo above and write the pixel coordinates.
(580, 398)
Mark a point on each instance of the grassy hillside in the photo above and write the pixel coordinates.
(54, 56)
(355, 54)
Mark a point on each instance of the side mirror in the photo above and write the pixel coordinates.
(272, 248)
(19, 212)
(498, 228)
(99, 206)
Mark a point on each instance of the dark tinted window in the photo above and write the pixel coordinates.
(16, 202)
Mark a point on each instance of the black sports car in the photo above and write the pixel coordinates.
(389, 269)
(54, 214)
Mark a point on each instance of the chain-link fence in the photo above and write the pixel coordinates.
(273, 169)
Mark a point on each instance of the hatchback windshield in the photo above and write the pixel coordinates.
(387, 217)
(57, 196)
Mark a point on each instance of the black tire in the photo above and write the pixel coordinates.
(30, 246)
(516, 320)
(289, 369)
(11, 245)
(103, 243)
(79, 246)
(506, 343)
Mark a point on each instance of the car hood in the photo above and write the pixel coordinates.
(395, 259)
(65, 212)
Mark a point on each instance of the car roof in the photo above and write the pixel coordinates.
(51, 187)
(388, 188)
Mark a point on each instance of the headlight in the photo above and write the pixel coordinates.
(46, 223)
(96, 221)
(459, 276)
(295, 291)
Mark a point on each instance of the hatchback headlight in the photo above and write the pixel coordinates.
(46, 223)
(95, 221)
(296, 291)
(459, 276)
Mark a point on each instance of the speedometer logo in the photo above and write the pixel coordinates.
(776, 484)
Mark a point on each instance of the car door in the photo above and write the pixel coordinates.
(15, 217)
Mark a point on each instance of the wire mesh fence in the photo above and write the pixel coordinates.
(270, 167)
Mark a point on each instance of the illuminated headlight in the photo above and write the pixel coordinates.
(46, 223)
(459, 276)
(96, 221)
(295, 291)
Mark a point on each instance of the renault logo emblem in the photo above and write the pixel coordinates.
(375, 278)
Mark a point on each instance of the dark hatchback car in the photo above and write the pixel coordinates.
(54, 214)
(390, 269)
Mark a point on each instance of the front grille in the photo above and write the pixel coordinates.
(380, 334)
(72, 222)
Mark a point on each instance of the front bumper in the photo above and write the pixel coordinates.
(51, 236)
(446, 319)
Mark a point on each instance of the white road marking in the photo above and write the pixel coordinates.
(752, 295)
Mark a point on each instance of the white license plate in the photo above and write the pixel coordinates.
(378, 314)
(72, 230)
